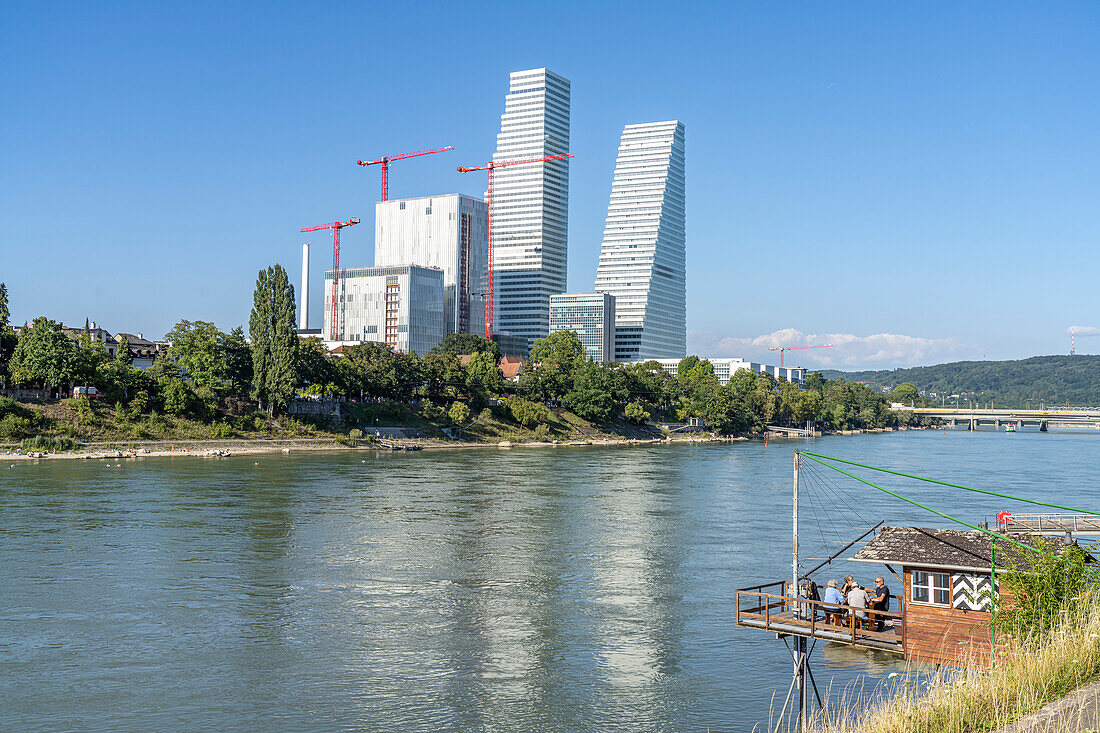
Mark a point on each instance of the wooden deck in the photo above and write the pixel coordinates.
(771, 608)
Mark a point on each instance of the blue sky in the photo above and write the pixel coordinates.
(914, 184)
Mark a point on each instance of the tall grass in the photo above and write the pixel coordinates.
(1043, 668)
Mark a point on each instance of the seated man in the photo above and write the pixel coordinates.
(833, 599)
(880, 601)
(857, 599)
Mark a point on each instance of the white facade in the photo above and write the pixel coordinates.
(642, 258)
(450, 232)
(591, 316)
(303, 311)
(399, 306)
(724, 369)
(531, 203)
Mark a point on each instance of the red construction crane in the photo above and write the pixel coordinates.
(783, 349)
(335, 226)
(385, 160)
(491, 166)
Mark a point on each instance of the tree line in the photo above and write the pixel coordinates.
(208, 370)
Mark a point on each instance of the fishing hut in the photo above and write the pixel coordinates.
(946, 592)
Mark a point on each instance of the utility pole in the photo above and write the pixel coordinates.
(799, 641)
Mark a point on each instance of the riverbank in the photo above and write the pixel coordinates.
(216, 448)
(1046, 685)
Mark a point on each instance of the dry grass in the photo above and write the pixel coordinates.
(1041, 670)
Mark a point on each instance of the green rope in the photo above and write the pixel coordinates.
(814, 457)
(953, 486)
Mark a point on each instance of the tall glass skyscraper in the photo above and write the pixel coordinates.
(642, 258)
(531, 203)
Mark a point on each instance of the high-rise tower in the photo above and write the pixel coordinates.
(642, 258)
(531, 203)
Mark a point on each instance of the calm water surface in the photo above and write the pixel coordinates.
(555, 589)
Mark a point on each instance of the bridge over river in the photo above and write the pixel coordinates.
(974, 418)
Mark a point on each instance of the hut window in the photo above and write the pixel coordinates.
(932, 588)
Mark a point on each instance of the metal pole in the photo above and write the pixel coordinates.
(800, 642)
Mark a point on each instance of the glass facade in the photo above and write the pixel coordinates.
(591, 316)
(642, 258)
(531, 203)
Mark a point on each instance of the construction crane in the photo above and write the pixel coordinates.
(491, 166)
(784, 349)
(335, 226)
(385, 160)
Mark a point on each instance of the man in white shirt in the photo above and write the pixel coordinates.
(857, 598)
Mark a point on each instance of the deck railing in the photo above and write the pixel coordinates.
(773, 604)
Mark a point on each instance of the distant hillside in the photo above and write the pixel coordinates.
(1053, 380)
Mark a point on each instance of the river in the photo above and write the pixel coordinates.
(553, 589)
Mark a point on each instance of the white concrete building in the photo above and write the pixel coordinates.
(724, 369)
(642, 258)
(400, 306)
(591, 316)
(450, 232)
(531, 203)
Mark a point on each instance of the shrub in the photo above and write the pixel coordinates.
(220, 429)
(459, 413)
(528, 413)
(10, 406)
(1055, 583)
(355, 434)
(485, 415)
(636, 413)
(542, 433)
(14, 426)
(47, 442)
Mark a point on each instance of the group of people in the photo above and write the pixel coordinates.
(854, 595)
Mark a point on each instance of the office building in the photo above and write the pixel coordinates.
(531, 203)
(400, 306)
(642, 257)
(724, 369)
(450, 232)
(591, 316)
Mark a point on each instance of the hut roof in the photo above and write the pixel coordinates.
(950, 549)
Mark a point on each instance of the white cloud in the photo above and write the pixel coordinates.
(849, 352)
(1083, 330)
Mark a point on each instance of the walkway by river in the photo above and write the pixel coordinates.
(563, 589)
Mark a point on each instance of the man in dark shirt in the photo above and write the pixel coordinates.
(880, 601)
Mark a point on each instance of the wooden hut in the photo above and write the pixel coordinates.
(942, 601)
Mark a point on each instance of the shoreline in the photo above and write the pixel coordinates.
(220, 448)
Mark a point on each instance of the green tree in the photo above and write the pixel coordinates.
(460, 344)
(199, 348)
(906, 393)
(549, 371)
(482, 377)
(315, 367)
(274, 340)
(635, 412)
(443, 374)
(593, 394)
(459, 413)
(5, 313)
(528, 413)
(45, 355)
(123, 355)
(238, 363)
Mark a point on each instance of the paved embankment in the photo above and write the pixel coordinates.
(1078, 711)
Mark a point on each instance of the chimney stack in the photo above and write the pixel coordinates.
(303, 320)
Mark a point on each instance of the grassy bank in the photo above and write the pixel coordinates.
(73, 423)
(1041, 670)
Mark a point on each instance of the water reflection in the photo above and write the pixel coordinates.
(552, 589)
